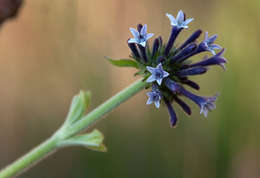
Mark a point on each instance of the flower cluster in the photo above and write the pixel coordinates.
(167, 66)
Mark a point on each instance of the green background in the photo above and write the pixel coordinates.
(56, 48)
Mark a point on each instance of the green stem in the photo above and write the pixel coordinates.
(50, 145)
(30, 158)
(107, 106)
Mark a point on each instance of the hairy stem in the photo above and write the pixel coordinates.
(51, 144)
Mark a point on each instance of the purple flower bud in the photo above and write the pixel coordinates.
(214, 60)
(139, 27)
(155, 47)
(182, 104)
(191, 39)
(192, 71)
(160, 41)
(171, 85)
(134, 50)
(173, 36)
(143, 53)
(191, 84)
(173, 117)
(183, 53)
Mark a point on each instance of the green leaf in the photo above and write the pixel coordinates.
(123, 63)
(78, 106)
(92, 140)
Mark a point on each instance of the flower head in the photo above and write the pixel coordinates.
(154, 96)
(140, 37)
(157, 74)
(173, 66)
(180, 20)
(208, 43)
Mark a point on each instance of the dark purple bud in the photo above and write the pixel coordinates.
(199, 49)
(160, 59)
(173, 117)
(155, 47)
(134, 50)
(175, 31)
(205, 103)
(9, 9)
(183, 105)
(160, 41)
(214, 60)
(192, 71)
(139, 27)
(171, 85)
(183, 53)
(191, 39)
(191, 84)
(143, 53)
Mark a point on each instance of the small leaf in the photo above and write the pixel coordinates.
(92, 140)
(78, 106)
(123, 63)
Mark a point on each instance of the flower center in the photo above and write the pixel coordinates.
(158, 74)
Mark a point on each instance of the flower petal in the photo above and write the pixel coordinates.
(180, 16)
(134, 32)
(132, 40)
(144, 30)
(150, 69)
(143, 43)
(172, 19)
(157, 104)
(159, 81)
(186, 22)
(149, 35)
(150, 79)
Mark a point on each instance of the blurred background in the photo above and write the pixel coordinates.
(55, 48)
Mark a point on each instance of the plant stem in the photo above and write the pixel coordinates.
(30, 158)
(50, 145)
(107, 106)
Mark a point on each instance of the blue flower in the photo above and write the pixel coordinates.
(208, 43)
(158, 74)
(206, 104)
(180, 20)
(154, 96)
(140, 37)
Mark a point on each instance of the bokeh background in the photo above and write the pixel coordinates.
(55, 48)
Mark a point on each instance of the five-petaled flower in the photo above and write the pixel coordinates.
(180, 20)
(140, 37)
(173, 66)
(154, 96)
(157, 74)
(208, 43)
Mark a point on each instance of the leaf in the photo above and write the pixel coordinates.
(78, 106)
(123, 63)
(92, 140)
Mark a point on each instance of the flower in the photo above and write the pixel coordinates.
(157, 74)
(180, 20)
(174, 68)
(214, 60)
(154, 96)
(140, 37)
(205, 103)
(208, 43)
